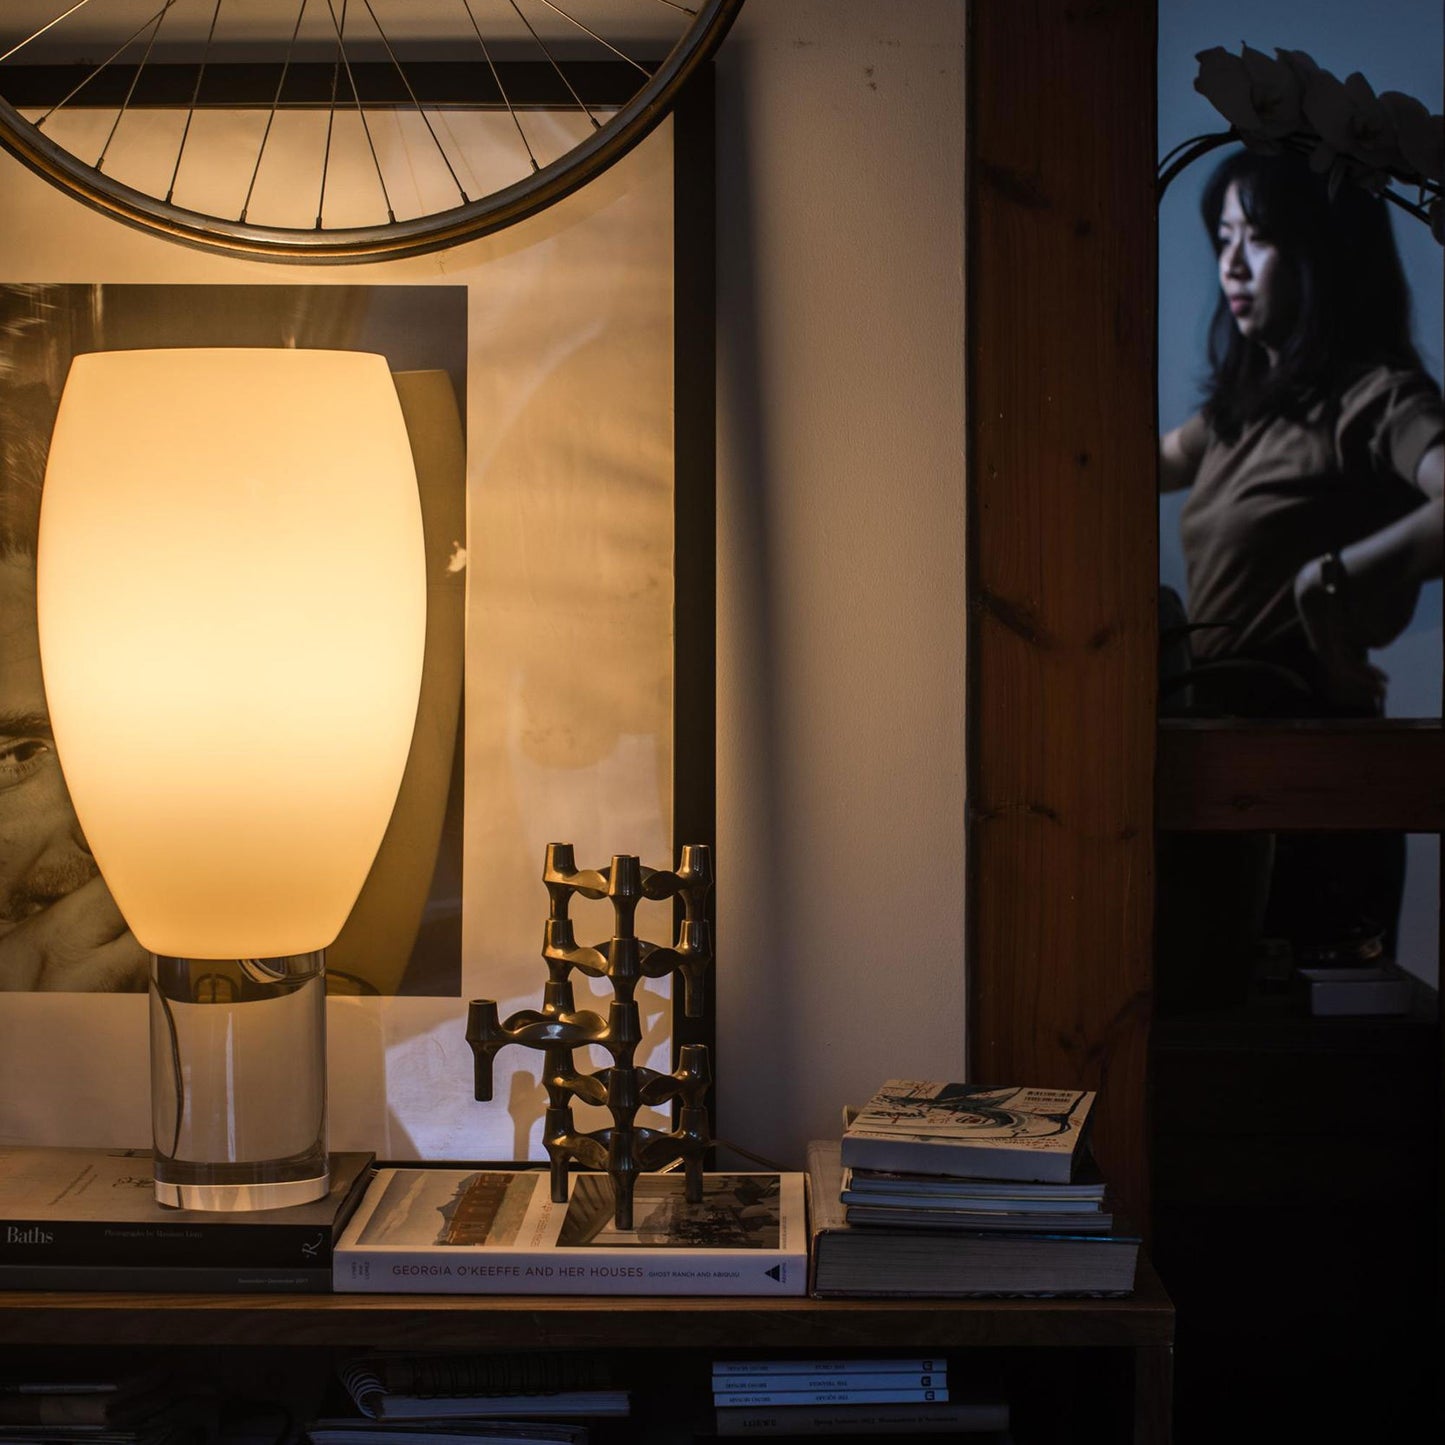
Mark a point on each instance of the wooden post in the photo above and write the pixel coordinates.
(1062, 561)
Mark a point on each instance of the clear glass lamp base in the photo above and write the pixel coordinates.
(238, 1081)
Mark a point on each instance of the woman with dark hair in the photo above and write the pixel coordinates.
(1316, 467)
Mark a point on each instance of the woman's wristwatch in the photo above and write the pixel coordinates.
(1333, 577)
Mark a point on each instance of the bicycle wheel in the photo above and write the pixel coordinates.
(338, 130)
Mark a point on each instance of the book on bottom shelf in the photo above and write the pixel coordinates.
(947, 1418)
(87, 1219)
(447, 1432)
(90, 1402)
(144, 1406)
(879, 1260)
(484, 1231)
(418, 1388)
(971, 1130)
(724, 1386)
(852, 1395)
(724, 1370)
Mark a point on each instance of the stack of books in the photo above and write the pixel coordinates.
(140, 1407)
(87, 1219)
(855, 1397)
(950, 1189)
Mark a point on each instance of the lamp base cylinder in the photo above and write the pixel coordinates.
(238, 1081)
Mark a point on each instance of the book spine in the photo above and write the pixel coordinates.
(937, 1419)
(721, 1368)
(42, 1243)
(863, 1396)
(612, 1272)
(166, 1279)
(847, 1380)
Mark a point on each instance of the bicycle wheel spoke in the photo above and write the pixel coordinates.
(120, 115)
(275, 105)
(542, 46)
(673, 5)
(330, 121)
(49, 25)
(195, 96)
(502, 89)
(114, 55)
(360, 109)
(587, 29)
(386, 41)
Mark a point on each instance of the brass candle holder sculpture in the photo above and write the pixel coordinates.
(623, 1149)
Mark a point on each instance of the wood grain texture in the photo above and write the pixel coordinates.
(1233, 777)
(1062, 556)
(516, 1322)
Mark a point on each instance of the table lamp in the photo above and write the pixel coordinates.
(232, 601)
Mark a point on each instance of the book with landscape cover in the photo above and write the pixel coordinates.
(969, 1129)
(488, 1231)
(898, 1260)
(88, 1219)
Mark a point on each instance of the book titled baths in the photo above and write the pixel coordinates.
(489, 1231)
(970, 1130)
(87, 1219)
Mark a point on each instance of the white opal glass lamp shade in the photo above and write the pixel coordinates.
(232, 603)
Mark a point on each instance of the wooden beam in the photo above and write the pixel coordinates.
(1062, 561)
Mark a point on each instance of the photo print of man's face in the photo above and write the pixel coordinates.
(60, 929)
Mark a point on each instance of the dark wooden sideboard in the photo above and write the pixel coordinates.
(1074, 1370)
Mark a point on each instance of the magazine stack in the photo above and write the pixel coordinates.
(523, 1399)
(943, 1189)
(879, 1398)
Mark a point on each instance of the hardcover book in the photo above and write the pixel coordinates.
(879, 1260)
(88, 1219)
(811, 1382)
(419, 1388)
(875, 1186)
(969, 1129)
(723, 1370)
(884, 1421)
(863, 1395)
(470, 1231)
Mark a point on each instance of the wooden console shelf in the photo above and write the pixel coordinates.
(1139, 1329)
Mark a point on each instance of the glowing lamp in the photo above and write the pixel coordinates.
(232, 608)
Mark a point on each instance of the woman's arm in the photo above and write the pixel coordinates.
(1364, 595)
(1180, 452)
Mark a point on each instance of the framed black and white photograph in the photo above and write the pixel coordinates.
(537, 369)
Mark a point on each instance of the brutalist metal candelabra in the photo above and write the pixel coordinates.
(623, 1149)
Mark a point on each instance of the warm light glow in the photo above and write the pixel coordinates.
(232, 605)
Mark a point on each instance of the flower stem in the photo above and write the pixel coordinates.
(1188, 153)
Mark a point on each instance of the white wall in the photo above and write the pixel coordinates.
(841, 596)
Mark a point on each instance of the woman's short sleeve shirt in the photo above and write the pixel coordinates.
(1291, 489)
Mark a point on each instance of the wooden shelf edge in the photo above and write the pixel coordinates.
(517, 1322)
(1307, 775)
